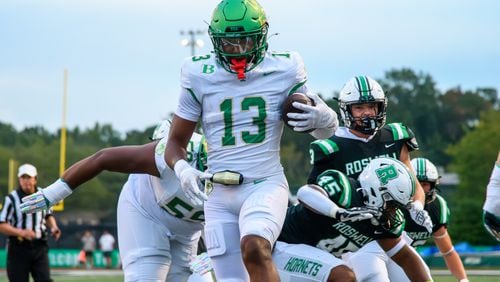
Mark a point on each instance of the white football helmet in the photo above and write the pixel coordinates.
(362, 90)
(426, 171)
(387, 179)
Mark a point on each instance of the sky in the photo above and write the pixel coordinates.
(123, 57)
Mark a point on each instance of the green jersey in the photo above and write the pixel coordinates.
(440, 214)
(303, 226)
(350, 154)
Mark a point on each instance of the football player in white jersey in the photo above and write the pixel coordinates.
(491, 208)
(236, 93)
(158, 227)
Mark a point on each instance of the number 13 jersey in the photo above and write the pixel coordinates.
(241, 120)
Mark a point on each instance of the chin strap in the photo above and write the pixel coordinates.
(238, 65)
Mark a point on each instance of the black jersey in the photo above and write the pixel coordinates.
(438, 211)
(303, 226)
(351, 156)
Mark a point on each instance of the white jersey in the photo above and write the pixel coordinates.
(167, 188)
(241, 119)
(492, 203)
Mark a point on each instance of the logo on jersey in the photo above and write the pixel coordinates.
(357, 166)
(389, 145)
(304, 266)
(208, 69)
(268, 73)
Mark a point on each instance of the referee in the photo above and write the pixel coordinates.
(27, 250)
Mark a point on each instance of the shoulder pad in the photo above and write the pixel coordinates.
(402, 132)
(443, 209)
(322, 149)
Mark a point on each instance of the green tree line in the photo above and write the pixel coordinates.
(456, 129)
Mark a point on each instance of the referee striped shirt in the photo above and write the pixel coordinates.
(12, 214)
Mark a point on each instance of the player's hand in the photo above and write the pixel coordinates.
(45, 198)
(313, 117)
(190, 181)
(420, 216)
(354, 214)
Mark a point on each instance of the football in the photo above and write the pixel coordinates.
(289, 108)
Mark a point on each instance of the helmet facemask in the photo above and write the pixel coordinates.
(366, 125)
(385, 207)
(238, 31)
(363, 90)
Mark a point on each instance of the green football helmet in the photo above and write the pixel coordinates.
(238, 31)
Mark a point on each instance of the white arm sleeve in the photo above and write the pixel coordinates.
(316, 200)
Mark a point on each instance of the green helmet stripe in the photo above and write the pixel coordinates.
(364, 87)
(327, 146)
(421, 168)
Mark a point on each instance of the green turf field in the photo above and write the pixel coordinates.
(119, 278)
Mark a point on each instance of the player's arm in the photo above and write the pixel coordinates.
(443, 242)
(419, 191)
(180, 133)
(125, 159)
(401, 253)
(316, 199)
(175, 155)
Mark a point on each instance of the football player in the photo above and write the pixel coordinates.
(365, 136)
(415, 235)
(491, 208)
(236, 94)
(341, 215)
(158, 226)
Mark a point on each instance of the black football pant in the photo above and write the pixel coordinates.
(28, 257)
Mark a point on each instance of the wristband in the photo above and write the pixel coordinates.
(57, 191)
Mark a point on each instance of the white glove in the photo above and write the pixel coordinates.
(190, 181)
(313, 117)
(353, 214)
(420, 216)
(45, 198)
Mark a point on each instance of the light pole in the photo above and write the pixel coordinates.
(191, 40)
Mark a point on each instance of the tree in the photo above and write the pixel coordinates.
(473, 159)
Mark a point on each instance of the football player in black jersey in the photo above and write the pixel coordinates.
(341, 215)
(414, 234)
(365, 136)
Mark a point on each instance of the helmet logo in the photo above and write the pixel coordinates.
(386, 173)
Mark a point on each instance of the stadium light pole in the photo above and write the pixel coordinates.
(191, 40)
